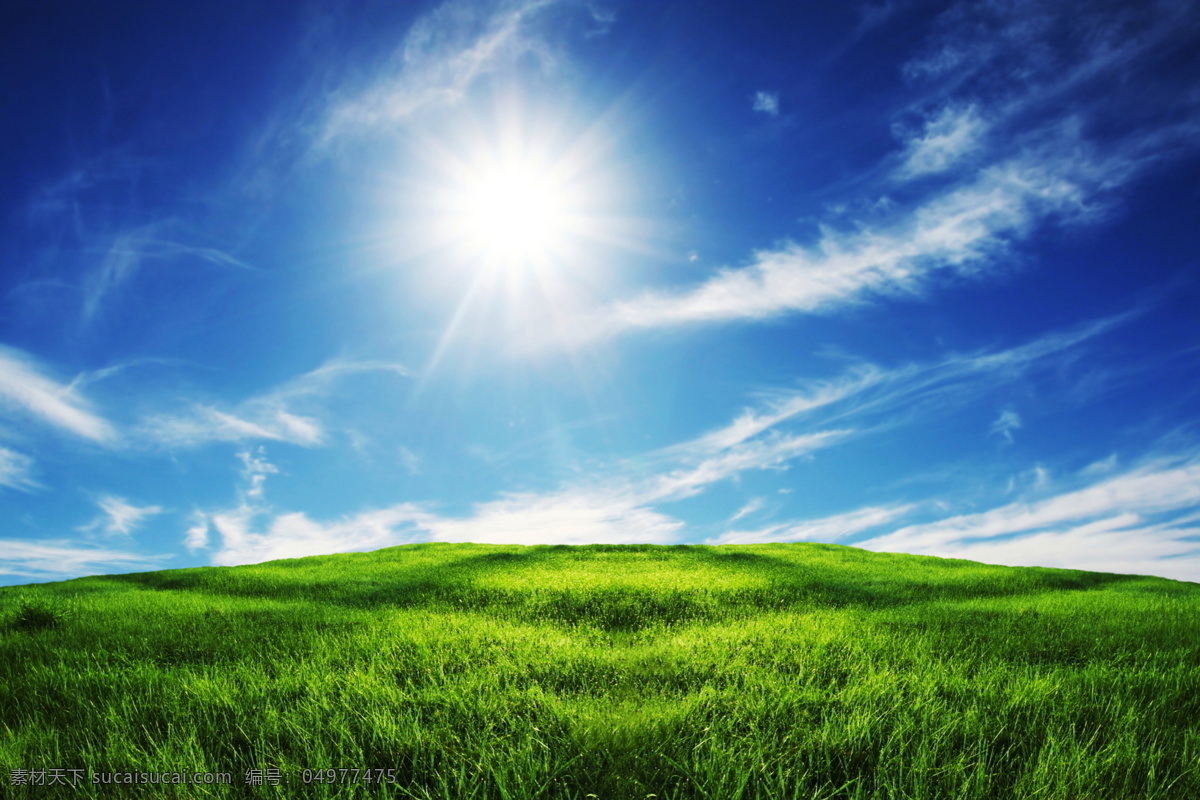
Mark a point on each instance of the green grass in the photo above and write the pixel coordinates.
(763, 671)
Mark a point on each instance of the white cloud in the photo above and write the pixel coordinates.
(613, 509)
(1114, 544)
(1142, 520)
(815, 395)
(118, 517)
(85, 379)
(410, 461)
(868, 391)
(1101, 467)
(16, 470)
(255, 469)
(1008, 116)
(620, 509)
(207, 424)
(948, 137)
(755, 504)
(958, 231)
(133, 249)
(767, 103)
(568, 517)
(294, 535)
(322, 379)
(825, 529)
(604, 19)
(1031, 49)
(705, 466)
(443, 54)
(24, 387)
(572, 516)
(1008, 421)
(57, 559)
(196, 536)
(270, 416)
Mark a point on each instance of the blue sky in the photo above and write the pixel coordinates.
(283, 280)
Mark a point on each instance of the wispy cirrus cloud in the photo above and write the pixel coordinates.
(16, 470)
(1014, 157)
(442, 55)
(617, 508)
(251, 421)
(615, 511)
(958, 231)
(255, 469)
(703, 466)
(294, 535)
(1008, 421)
(118, 516)
(612, 508)
(753, 506)
(196, 536)
(573, 516)
(947, 138)
(272, 416)
(253, 532)
(866, 393)
(25, 388)
(131, 251)
(767, 103)
(824, 529)
(53, 559)
(1144, 520)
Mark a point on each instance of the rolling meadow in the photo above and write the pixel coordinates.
(461, 671)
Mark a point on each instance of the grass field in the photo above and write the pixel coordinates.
(471, 671)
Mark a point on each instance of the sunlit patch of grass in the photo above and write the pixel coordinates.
(766, 671)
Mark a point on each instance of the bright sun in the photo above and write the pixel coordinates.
(513, 213)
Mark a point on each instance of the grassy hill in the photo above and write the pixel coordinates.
(470, 671)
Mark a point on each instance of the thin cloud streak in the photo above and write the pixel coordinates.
(1041, 167)
(129, 254)
(196, 536)
(16, 470)
(61, 558)
(876, 390)
(118, 517)
(621, 510)
(204, 424)
(443, 54)
(1008, 421)
(294, 535)
(1143, 520)
(753, 506)
(25, 387)
(271, 416)
(837, 526)
(960, 231)
(767, 103)
(948, 137)
(614, 510)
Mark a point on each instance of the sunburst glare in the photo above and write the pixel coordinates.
(513, 212)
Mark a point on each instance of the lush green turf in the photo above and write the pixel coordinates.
(766, 671)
